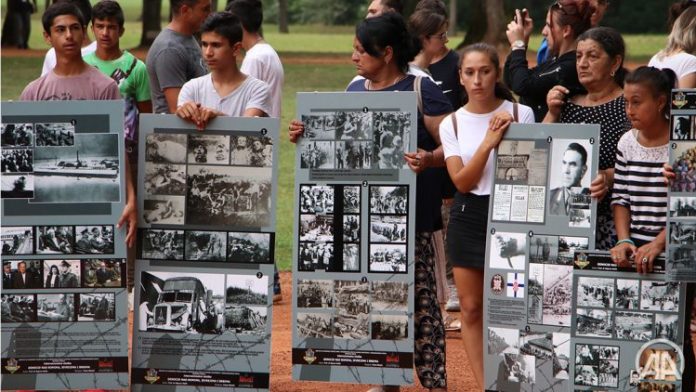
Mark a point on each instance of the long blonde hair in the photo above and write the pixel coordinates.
(683, 35)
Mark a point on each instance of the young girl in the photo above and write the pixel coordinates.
(468, 139)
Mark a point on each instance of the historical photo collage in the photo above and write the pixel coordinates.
(51, 163)
(203, 303)
(65, 240)
(355, 140)
(349, 309)
(596, 365)
(208, 179)
(388, 229)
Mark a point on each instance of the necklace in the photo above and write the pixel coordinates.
(396, 80)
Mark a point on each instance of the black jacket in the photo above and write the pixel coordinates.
(533, 84)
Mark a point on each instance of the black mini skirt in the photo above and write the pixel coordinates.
(466, 231)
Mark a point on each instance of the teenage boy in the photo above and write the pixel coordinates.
(174, 57)
(88, 46)
(261, 60)
(73, 79)
(225, 91)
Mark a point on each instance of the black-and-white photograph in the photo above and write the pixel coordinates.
(18, 308)
(246, 320)
(229, 196)
(248, 247)
(18, 160)
(634, 326)
(561, 355)
(17, 186)
(594, 322)
(521, 162)
(666, 327)
(655, 387)
(627, 294)
(389, 327)
(164, 179)
(682, 233)
(247, 290)
(682, 207)
(353, 125)
(164, 210)
(353, 154)
(388, 228)
(517, 368)
(508, 250)
(55, 134)
(55, 307)
(587, 354)
(351, 228)
(316, 227)
(655, 295)
(389, 295)
(352, 320)
(209, 149)
(683, 257)
(535, 291)
(161, 244)
(314, 127)
(387, 258)
(62, 273)
(567, 246)
(351, 199)
(390, 138)
(316, 256)
(317, 155)
(96, 307)
(558, 293)
(22, 274)
(182, 302)
(570, 181)
(681, 128)
(586, 375)
(351, 258)
(608, 373)
(17, 135)
(537, 344)
(55, 240)
(579, 214)
(595, 292)
(543, 249)
(205, 245)
(166, 148)
(251, 151)
(314, 325)
(315, 293)
(389, 199)
(503, 341)
(103, 272)
(317, 199)
(94, 239)
(683, 162)
(17, 240)
(85, 172)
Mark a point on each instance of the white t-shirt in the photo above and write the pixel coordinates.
(471, 129)
(50, 59)
(251, 94)
(263, 63)
(681, 63)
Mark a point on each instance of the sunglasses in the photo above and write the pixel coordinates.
(442, 36)
(570, 9)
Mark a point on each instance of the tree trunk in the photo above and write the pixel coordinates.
(477, 24)
(283, 16)
(214, 5)
(452, 18)
(152, 24)
(496, 23)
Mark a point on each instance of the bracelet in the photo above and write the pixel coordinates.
(625, 241)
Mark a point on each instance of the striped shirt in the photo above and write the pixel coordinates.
(640, 187)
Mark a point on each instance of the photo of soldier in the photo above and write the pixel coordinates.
(102, 272)
(206, 245)
(387, 258)
(351, 228)
(317, 199)
(96, 307)
(389, 200)
(316, 256)
(162, 244)
(317, 155)
(55, 240)
(95, 239)
(351, 199)
(18, 308)
(55, 307)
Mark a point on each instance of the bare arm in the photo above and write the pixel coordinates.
(254, 112)
(144, 106)
(172, 95)
(432, 124)
(688, 81)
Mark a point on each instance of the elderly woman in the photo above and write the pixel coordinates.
(600, 55)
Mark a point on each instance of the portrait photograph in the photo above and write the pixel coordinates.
(209, 149)
(571, 162)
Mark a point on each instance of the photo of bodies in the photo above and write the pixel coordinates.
(164, 210)
(94, 239)
(17, 240)
(17, 135)
(388, 228)
(666, 326)
(316, 228)
(627, 294)
(166, 148)
(353, 125)
(543, 249)
(570, 181)
(229, 196)
(160, 244)
(17, 186)
(536, 344)
(567, 246)
(55, 240)
(682, 233)
(55, 307)
(316, 256)
(517, 368)
(22, 274)
(503, 341)
(97, 307)
(389, 200)
(351, 258)
(251, 151)
(634, 326)
(317, 199)
(508, 250)
(54, 134)
(595, 292)
(314, 325)
(205, 245)
(102, 272)
(681, 128)
(389, 327)
(164, 179)
(561, 355)
(352, 318)
(389, 295)
(558, 294)
(315, 293)
(19, 160)
(680, 207)
(182, 302)
(351, 228)
(317, 155)
(390, 138)
(210, 149)
(594, 322)
(246, 320)
(85, 172)
(248, 247)
(18, 308)
(662, 296)
(314, 127)
(246, 304)
(351, 199)
(387, 258)
(353, 154)
(62, 273)
(684, 165)
(519, 162)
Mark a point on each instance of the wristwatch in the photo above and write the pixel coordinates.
(518, 44)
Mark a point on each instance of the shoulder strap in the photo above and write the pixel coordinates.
(453, 116)
(417, 89)
(132, 66)
(514, 111)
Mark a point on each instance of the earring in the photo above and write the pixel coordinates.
(612, 73)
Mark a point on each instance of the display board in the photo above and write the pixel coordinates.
(204, 275)
(354, 234)
(64, 300)
(681, 226)
(541, 215)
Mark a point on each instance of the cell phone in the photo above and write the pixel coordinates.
(524, 14)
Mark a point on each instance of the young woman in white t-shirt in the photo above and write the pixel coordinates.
(469, 137)
(680, 53)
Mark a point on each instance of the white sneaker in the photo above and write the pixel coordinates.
(452, 304)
